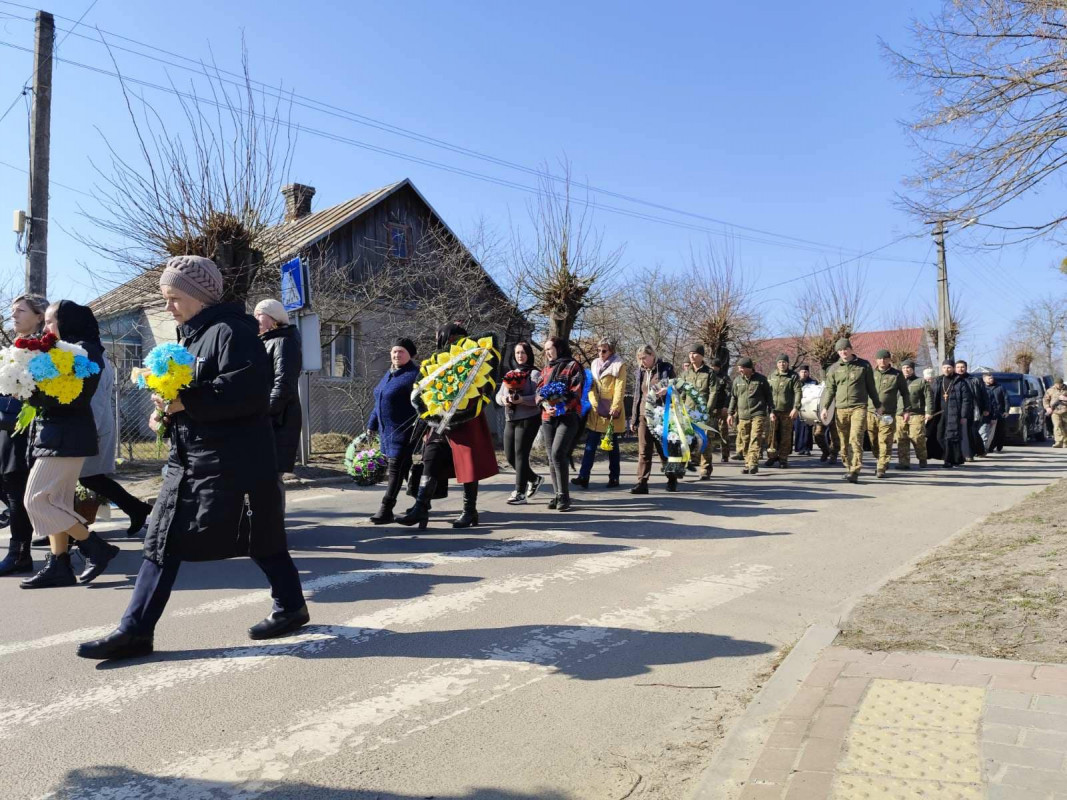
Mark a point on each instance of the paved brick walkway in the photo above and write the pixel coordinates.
(897, 726)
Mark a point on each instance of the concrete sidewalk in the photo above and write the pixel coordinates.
(903, 725)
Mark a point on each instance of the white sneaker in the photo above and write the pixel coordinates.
(517, 499)
(531, 490)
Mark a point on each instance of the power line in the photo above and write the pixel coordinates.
(51, 182)
(440, 165)
(833, 266)
(351, 116)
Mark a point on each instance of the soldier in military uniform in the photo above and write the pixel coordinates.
(882, 425)
(718, 407)
(750, 403)
(699, 375)
(785, 407)
(850, 384)
(912, 433)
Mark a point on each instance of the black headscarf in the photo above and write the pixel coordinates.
(446, 333)
(77, 323)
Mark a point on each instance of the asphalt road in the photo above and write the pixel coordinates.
(540, 655)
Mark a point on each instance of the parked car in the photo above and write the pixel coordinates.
(1026, 415)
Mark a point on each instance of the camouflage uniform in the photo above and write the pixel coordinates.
(785, 397)
(913, 432)
(750, 404)
(891, 384)
(850, 384)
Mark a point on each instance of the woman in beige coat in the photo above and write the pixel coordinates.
(606, 400)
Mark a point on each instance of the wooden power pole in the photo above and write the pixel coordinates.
(40, 140)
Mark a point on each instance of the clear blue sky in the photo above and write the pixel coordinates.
(779, 116)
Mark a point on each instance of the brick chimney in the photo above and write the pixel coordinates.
(297, 201)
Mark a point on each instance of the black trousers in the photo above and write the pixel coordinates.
(519, 436)
(560, 433)
(154, 584)
(110, 489)
(399, 467)
(13, 489)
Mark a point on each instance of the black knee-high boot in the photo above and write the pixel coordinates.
(419, 514)
(469, 517)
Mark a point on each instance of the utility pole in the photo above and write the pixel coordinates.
(40, 140)
(943, 308)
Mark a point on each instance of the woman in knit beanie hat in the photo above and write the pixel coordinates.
(282, 341)
(221, 496)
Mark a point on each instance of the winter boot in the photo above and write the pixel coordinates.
(385, 513)
(56, 572)
(469, 517)
(18, 559)
(419, 514)
(98, 555)
(137, 520)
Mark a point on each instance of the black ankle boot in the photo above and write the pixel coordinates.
(419, 514)
(117, 644)
(469, 517)
(56, 572)
(280, 623)
(137, 520)
(385, 513)
(18, 559)
(98, 555)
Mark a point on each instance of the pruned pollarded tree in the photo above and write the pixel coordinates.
(720, 310)
(899, 341)
(565, 269)
(994, 119)
(959, 323)
(209, 186)
(831, 307)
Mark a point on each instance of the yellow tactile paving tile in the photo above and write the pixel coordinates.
(917, 754)
(873, 787)
(911, 704)
(910, 740)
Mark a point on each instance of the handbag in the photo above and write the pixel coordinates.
(9, 412)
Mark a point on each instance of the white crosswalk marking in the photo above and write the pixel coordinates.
(349, 724)
(155, 678)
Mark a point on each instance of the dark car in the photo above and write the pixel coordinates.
(1026, 415)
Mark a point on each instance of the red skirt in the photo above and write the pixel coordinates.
(473, 456)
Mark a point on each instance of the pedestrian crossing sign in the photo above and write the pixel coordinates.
(294, 292)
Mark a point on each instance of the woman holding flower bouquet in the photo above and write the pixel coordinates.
(605, 422)
(523, 420)
(27, 317)
(63, 435)
(560, 396)
(393, 420)
(221, 496)
(464, 449)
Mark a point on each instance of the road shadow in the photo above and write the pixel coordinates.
(625, 525)
(446, 545)
(572, 650)
(115, 781)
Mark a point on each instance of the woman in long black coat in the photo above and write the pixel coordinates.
(63, 435)
(27, 316)
(221, 496)
(393, 419)
(282, 341)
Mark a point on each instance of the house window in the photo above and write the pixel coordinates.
(124, 355)
(398, 241)
(338, 354)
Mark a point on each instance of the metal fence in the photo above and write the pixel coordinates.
(337, 411)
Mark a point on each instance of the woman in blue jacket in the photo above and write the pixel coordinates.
(393, 419)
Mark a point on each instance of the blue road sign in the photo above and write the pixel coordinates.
(294, 290)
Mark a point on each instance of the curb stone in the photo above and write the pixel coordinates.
(726, 775)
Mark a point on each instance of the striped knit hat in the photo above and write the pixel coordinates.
(197, 276)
